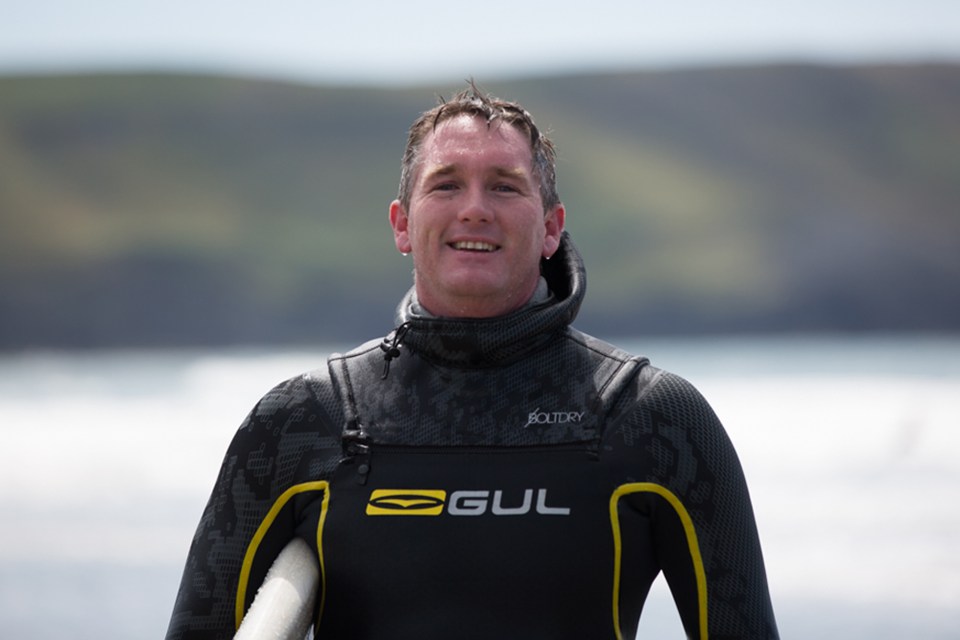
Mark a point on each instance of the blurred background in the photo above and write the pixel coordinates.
(193, 206)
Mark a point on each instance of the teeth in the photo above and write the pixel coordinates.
(474, 246)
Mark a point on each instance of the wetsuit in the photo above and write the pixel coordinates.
(508, 477)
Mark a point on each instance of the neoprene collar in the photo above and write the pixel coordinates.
(487, 342)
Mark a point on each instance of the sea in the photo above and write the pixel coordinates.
(850, 444)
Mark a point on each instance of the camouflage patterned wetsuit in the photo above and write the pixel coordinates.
(500, 478)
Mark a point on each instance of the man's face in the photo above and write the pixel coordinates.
(475, 226)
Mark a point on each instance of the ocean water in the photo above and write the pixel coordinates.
(851, 448)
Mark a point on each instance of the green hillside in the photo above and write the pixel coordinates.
(169, 210)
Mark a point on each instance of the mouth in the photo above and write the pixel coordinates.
(472, 245)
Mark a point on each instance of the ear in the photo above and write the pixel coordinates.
(400, 223)
(553, 223)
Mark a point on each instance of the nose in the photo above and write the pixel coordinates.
(476, 207)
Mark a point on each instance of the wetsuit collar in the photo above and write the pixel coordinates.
(540, 294)
(482, 342)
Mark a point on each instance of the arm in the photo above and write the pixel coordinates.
(694, 495)
(262, 499)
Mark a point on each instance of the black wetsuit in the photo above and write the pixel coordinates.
(498, 478)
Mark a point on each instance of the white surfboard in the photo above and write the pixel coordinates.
(283, 607)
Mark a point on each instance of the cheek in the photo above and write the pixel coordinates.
(424, 232)
(420, 243)
(416, 236)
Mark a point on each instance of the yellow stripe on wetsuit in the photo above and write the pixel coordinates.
(693, 545)
(245, 568)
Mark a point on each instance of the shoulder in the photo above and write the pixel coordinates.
(292, 392)
(656, 397)
(306, 403)
(665, 398)
(674, 395)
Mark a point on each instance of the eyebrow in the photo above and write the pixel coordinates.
(512, 172)
(442, 170)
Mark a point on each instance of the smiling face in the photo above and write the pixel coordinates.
(475, 225)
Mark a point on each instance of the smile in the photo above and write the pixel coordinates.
(473, 246)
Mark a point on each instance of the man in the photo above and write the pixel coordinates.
(486, 470)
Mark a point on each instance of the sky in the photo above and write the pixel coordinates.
(408, 41)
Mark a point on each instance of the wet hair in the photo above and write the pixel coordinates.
(472, 102)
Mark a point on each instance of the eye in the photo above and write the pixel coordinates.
(506, 188)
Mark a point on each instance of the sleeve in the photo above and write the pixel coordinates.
(284, 444)
(694, 495)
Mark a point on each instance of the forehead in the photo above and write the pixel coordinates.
(470, 141)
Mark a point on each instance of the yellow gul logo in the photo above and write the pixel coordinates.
(406, 502)
(433, 502)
